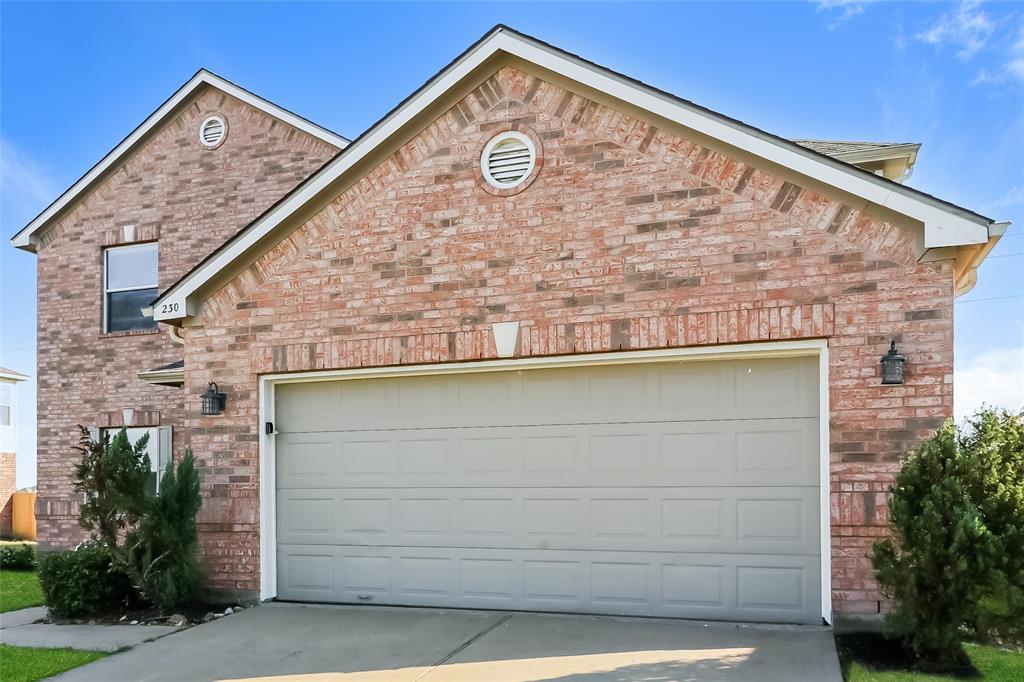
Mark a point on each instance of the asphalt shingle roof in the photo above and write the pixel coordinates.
(837, 147)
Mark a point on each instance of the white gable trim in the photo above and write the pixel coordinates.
(24, 238)
(942, 226)
(945, 225)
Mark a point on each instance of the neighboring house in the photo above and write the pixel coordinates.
(544, 337)
(8, 447)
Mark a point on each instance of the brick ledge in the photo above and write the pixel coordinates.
(635, 333)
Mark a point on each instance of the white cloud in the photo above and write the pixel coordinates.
(994, 378)
(25, 184)
(1010, 65)
(1013, 196)
(1015, 68)
(847, 9)
(966, 28)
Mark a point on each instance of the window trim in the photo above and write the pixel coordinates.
(106, 277)
(161, 442)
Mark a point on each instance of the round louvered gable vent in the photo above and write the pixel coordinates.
(212, 131)
(508, 159)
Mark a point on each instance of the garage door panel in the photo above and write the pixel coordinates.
(745, 452)
(762, 520)
(774, 388)
(686, 489)
(777, 588)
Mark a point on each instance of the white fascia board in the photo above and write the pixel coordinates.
(24, 238)
(12, 377)
(165, 309)
(943, 226)
(272, 109)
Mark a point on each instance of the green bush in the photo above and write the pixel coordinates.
(956, 559)
(165, 545)
(112, 476)
(81, 583)
(17, 557)
(152, 540)
(997, 439)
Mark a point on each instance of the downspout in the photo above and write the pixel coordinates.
(174, 331)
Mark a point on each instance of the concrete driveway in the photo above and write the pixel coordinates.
(334, 643)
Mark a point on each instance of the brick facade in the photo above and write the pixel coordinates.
(8, 485)
(188, 198)
(629, 237)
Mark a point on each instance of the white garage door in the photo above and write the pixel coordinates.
(668, 489)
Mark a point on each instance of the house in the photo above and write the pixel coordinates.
(8, 448)
(544, 337)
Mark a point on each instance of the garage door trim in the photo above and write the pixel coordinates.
(268, 460)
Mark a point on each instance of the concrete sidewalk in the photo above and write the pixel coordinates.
(13, 619)
(18, 628)
(335, 643)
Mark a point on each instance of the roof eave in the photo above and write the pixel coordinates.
(880, 154)
(969, 259)
(164, 377)
(944, 224)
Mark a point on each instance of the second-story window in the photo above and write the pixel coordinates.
(5, 405)
(130, 284)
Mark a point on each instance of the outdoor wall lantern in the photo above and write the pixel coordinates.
(213, 400)
(892, 366)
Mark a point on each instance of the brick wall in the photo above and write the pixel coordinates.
(8, 484)
(190, 199)
(629, 237)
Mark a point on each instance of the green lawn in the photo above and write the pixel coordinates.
(19, 590)
(995, 665)
(22, 664)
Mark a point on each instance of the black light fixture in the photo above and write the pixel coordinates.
(213, 400)
(892, 366)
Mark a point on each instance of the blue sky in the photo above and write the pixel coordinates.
(76, 78)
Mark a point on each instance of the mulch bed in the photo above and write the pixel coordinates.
(875, 651)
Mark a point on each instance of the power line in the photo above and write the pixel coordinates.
(991, 298)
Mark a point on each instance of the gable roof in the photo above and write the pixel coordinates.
(10, 376)
(171, 374)
(945, 224)
(838, 148)
(893, 160)
(24, 238)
